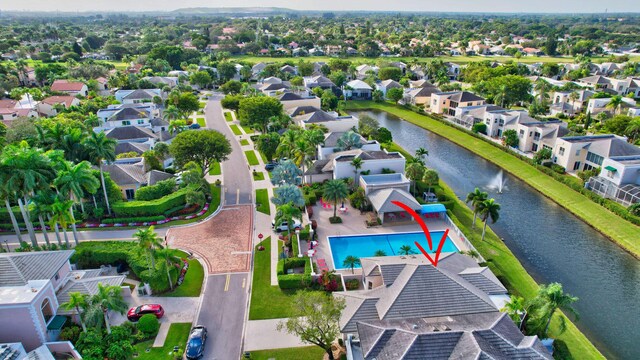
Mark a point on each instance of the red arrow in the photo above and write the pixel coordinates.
(438, 251)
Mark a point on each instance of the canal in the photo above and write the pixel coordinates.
(551, 243)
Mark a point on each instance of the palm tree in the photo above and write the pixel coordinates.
(288, 213)
(109, 298)
(287, 145)
(415, 172)
(406, 250)
(357, 165)
(334, 192)
(542, 88)
(633, 129)
(549, 299)
(101, 148)
(169, 258)
(5, 194)
(75, 180)
(421, 153)
(489, 209)
(351, 262)
(171, 113)
(61, 214)
(515, 309)
(77, 301)
(303, 151)
(286, 194)
(42, 208)
(149, 241)
(379, 252)
(615, 103)
(573, 97)
(475, 198)
(348, 141)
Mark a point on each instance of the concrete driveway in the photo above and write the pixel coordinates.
(176, 309)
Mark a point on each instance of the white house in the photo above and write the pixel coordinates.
(332, 144)
(72, 88)
(386, 85)
(577, 153)
(338, 165)
(127, 114)
(47, 106)
(447, 102)
(291, 100)
(619, 179)
(358, 90)
(599, 105)
(138, 96)
(305, 116)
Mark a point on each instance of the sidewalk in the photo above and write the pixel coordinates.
(263, 335)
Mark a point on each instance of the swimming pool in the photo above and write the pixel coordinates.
(367, 245)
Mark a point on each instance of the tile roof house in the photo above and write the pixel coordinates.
(358, 90)
(321, 81)
(448, 102)
(138, 96)
(72, 88)
(479, 336)
(131, 175)
(338, 164)
(331, 140)
(291, 100)
(385, 85)
(47, 106)
(457, 286)
(305, 116)
(32, 287)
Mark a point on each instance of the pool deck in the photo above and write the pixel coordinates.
(354, 224)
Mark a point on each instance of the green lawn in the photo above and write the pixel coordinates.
(177, 336)
(235, 129)
(262, 200)
(201, 122)
(510, 271)
(192, 284)
(244, 142)
(619, 230)
(268, 302)
(215, 202)
(300, 353)
(264, 158)
(258, 175)
(215, 169)
(252, 159)
(247, 130)
(227, 116)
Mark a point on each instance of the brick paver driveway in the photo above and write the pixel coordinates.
(224, 241)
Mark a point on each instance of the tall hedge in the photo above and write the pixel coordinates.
(294, 281)
(157, 191)
(150, 208)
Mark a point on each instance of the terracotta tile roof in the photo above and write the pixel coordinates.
(64, 85)
(53, 100)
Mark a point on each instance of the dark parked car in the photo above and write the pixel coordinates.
(195, 344)
(194, 126)
(270, 166)
(136, 313)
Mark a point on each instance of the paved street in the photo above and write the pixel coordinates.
(237, 178)
(223, 311)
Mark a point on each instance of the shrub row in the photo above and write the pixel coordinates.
(5, 218)
(606, 203)
(134, 219)
(294, 281)
(160, 189)
(94, 254)
(150, 208)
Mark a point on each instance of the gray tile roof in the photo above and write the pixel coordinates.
(88, 286)
(483, 279)
(126, 174)
(126, 147)
(18, 268)
(130, 133)
(129, 113)
(139, 94)
(331, 139)
(478, 336)
(154, 176)
(381, 200)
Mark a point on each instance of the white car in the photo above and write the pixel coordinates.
(284, 226)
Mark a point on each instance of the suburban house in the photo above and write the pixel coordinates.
(358, 90)
(362, 71)
(338, 165)
(457, 286)
(420, 96)
(447, 102)
(103, 86)
(577, 101)
(372, 183)
(332, 141)
(131, 133)
(127, 114)
(323, 82)
(13, 109)
(385, 85)
(291, 100)
(619, 179)
(305, 116)
(32, 287)
(162, 81)
(273, 89)
(578, 153)
(599, 105)
(48, 105)
(130, 175)
(138, 96)
(48, 351)
(490, 335)
(72, 88)
(27, 76)
(256, 70)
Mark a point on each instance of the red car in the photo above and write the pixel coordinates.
(134, 314)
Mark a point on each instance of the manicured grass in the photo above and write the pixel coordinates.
(177, 336)
(203, 104)
(619, 230)
(227, 116)
(235, 129)
(215, 169)
(258, 175)
(262, 200)
(264, 158)
(268, 302)
(201, 122)
(511, 273)
(300, 353)
(244, 142)
(192, 284)
(247, 130)
(252, 159)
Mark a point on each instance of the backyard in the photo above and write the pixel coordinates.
(611, 225)
(177, 336)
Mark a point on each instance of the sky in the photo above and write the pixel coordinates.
(546, 6)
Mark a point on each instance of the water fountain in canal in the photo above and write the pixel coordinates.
(498, 182)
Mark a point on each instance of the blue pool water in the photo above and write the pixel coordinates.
(366, 245)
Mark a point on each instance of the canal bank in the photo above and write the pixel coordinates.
(622, 232)
(551, 243)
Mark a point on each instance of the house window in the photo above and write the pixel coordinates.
(536, 136)
(576, 165)
(534, 147)
(126, 122)
(546, 147)
(594, 158)
(561, 151)
(47, 310)
(130, 194)
(587, 167)
(521, 133)
(578, 152)
(140, 122)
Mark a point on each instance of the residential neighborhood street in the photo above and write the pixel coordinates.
(87, 235)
